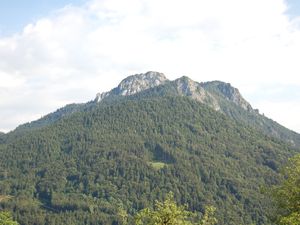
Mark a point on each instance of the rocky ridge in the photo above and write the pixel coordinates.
(203, 92)
(218, 95)
(228, 92)
(187, 87)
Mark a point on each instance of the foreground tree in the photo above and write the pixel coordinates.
(6, 219)
(287, 195)
(209, 216)
(169, 213)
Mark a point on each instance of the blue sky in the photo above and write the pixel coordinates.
(294, 8)
(62, 51)
(15, 14)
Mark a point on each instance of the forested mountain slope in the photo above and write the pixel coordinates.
(129, 151)
(218, 95)
(233, 105)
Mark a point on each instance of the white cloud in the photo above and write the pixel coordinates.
(79, 51)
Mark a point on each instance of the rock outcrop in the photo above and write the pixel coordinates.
(208, 93)
(134, 84)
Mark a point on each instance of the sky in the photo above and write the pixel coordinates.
(56, 52)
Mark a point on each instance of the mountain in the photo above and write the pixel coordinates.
(83, 163)
(52, 117)
(2, 137)
(218, 95)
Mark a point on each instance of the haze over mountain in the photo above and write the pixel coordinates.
(130, 146)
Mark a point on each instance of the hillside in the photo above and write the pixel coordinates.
(130, 146)
(127, 153)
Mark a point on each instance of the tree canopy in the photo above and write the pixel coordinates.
(6, 219)
(287, 194)
(132, 152)
(169, 213)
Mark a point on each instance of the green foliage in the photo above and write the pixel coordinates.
(208, 217)
(81, 168)
(169, 213)
(50, 118)
(287, 194)
(166, 212)
(6, 219)
(291, 219)
(123, 215)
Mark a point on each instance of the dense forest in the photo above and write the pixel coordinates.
(125, 154)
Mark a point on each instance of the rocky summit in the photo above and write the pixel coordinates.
(134, 84)
(206, 92)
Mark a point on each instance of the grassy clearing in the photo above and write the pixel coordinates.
(157, 165)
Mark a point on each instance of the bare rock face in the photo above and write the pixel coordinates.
(187, 87)
(140, 82)
(208, 93)
(101, 96)
(134, 84)
(232, 94)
